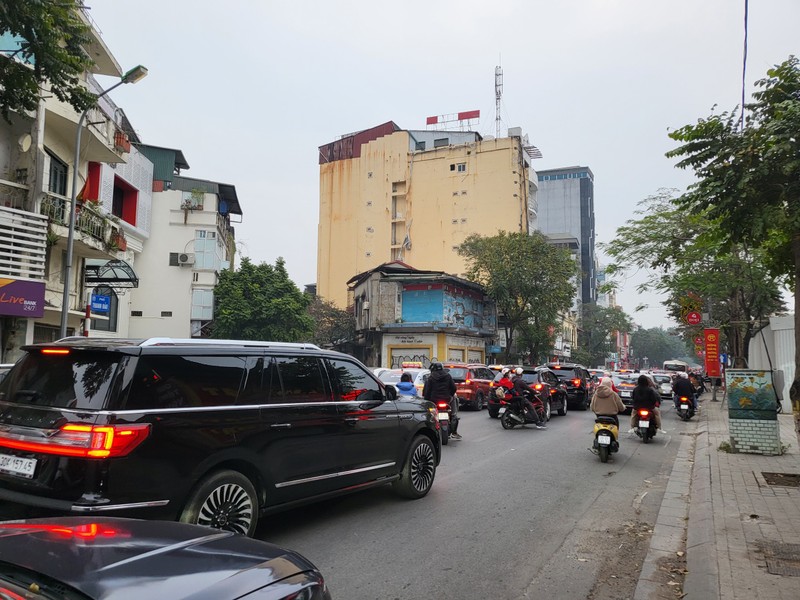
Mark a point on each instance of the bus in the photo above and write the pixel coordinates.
(676, 365)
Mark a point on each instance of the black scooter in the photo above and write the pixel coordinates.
(512, 412)
(685, 407)
(646, 428)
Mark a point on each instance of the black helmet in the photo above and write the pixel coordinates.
(436, 366)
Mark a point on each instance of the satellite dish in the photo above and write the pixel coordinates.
(24, 142)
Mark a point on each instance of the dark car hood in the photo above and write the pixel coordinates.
(110, 558)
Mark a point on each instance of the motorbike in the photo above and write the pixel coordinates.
(512, 412)
(446, 420)
(606, 434)
(647, 425)
(685, 408)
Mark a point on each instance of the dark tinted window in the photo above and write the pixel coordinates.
(171, 381)
(302, 379)
(74, 380)
(351, 382)
(458, 373)
(563, 373)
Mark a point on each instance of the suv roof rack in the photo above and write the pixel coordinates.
(164, 341)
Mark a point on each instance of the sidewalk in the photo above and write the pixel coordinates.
(743, 534)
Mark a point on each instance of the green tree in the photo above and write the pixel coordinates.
(685, 255)
(260, 302)
(658, 344)
(748, 177)
(51, 53)
(333, 327)
(530, 280)
(599, 325)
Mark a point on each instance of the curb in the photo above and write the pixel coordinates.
(670, 530)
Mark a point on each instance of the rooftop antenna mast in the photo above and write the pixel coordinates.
(498, 94)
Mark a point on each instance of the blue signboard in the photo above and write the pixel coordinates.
(101, 304)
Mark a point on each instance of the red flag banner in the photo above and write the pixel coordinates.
(711, 337)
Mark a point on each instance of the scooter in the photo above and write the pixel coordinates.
(685, 408)
(512, 412)
(606, 434)
(647, 425)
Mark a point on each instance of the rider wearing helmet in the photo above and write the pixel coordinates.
(440, 387)
(520, 390)
(683, 387)
(505, 384)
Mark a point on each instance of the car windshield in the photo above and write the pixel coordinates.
(662, 378)
(394, 375)
(458, 373)
(72, 380)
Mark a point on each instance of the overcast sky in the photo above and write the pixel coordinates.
(248, 89)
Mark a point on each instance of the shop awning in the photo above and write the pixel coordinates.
(113, 273)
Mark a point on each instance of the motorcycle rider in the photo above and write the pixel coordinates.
(505, 383)
(520, 390)
(440, 387)
(605, 401)
(645, 396)
(683, 387)
(406, 386)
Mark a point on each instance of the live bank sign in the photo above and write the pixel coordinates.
(21, 298)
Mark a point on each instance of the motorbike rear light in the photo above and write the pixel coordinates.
(684, 399)
(644, 413)
(442, 405)
(82, 441)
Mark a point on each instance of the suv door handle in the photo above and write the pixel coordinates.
(281, 426)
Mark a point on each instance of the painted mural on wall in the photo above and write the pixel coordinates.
(751, 394)
(447, 304)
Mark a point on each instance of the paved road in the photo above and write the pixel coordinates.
(513, 514)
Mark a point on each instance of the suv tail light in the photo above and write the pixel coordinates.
(83, 441)
(537, 386)
(576, 382)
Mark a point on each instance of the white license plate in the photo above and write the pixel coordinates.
(502, 410)
(644, 423)
(16, 465)
(604, 439)
(443, 416)
(625, 394)
(684, 407)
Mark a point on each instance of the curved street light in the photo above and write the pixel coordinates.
(135, 74)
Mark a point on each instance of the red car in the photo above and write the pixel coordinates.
(472, 383)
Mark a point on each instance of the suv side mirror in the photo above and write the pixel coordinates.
(391, 392)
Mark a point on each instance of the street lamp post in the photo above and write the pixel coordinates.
(131, 76)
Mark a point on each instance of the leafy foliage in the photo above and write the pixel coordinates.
(658, 345)
(599, 326)
(531, 281)
(51, 53)
(333, 327)
(260, 302)
(748, 178)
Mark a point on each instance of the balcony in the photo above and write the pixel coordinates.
(98, 231)
(23, 243)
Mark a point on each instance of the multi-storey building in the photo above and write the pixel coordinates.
(566, 208)
(191, 241)
(391, 194)
(405, 314)
(38, 163)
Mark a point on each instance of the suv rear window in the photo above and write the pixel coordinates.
(563, 373)
(75, 380)
(458, 374)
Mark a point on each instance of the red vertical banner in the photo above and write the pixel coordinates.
(711, 337)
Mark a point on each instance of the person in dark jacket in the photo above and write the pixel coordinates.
(521, 388)
(406, 386)
(440, 387)
(645, 396)
(683, 387)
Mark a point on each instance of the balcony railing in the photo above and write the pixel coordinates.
(88, 221)
(23, 243)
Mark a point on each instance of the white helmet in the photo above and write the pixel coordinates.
(518, 370)
(683, 375)
(504, 371)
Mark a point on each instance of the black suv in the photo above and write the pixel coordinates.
(578, 382)
(552, 391)
(211, 432)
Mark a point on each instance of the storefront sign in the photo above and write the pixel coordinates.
(21, 298)
(712, 352)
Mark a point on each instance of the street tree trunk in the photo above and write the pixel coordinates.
(794, 391)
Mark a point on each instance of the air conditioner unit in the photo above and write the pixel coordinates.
(185, 259)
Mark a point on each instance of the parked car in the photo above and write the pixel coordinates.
(625, 382)
(214, 432)
(472, 383)
(80, 558)
(578, 382)
(418, 377)
(552, 391)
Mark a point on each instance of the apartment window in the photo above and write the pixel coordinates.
(166, 313)
(420, 146)
(58, 175)
(202, 305)
(136, 313)
(125, 200)
(441, 142)
(109, 324)
(207, 249)
(461, 167)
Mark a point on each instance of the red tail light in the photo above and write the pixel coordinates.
(83, 441)
(442, 405)
(88, 531)
(55, 351)
(684, 399)
(576, 382)
(537, 386)
(644, 413)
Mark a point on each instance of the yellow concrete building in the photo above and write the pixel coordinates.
(391, 194)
